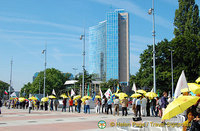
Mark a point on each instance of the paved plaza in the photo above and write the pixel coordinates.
(21, 120)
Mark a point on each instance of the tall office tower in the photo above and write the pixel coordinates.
(117, 48)
(97, 51)
(109, 47)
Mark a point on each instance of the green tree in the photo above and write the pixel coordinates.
(3, 86)
(26, 90)
(186, 19)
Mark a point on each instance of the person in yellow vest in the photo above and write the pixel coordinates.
(75, 104)
(188, 122)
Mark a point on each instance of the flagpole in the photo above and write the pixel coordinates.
(10, 79)
(45, 64)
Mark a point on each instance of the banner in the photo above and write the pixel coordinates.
(72, 92)
(108, 93)
(53, 92)
(100, 92)
(134, 87)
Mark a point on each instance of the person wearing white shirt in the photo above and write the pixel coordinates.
(138, 106)
(143, 106)
(30, 105)
(109, 102)
(87, 103)
(116, 104)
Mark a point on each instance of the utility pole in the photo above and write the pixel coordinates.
(10, 79)
(83, 37)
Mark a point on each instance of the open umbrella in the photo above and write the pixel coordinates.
(98, 97)
(63, 96)
(141, 91)
(185, 90)
(32, 98)
(44, 99)
(52, 97)
(195, 88)
(179, 105)
(21, 99)
(151, 94)
(122, 95)
(85, 97)
(77, 97)
(198, 80)
(136, 95)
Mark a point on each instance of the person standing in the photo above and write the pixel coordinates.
(116, 104)
(64, 105)
(79, 101)
(51, 105)
(124, 106)
(71, 104)
(144, 106)
(109, 102)
(153, 105)
(46, 105)
(75, 104)
(56, 104)
(0, 105)
(98, 105)
(164, 103)
(134, 105)
(104, 101)
(148, 107)
(138, 106)
(87, 103)
(30, 105)
(41, 105)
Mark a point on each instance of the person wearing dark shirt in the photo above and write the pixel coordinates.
(164, 103)
(153, 105)
(64, 105)
(148, 107)
(79, 101)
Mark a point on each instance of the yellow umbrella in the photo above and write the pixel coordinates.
(122, 95)
(198, 80)
(21, 99)
(179, 105)
(151, 94)
(116, 94)
(77, 97)
(136, 95)
(85, 97)
(185, 90)
(32, 98)
(52, 97)
(44, 99)
(63, 96)
(194, 88)
(11, 98)
(141, 91)
(98, 97)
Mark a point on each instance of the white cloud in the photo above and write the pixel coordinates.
(61, 26)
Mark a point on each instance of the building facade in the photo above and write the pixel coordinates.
(114, 42)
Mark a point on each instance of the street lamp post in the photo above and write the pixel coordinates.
(45, 64)
(151, 11)
(75, 69)
(10, 79)
(82, 37)
(172, 72)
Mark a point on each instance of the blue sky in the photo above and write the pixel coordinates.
(25, 26)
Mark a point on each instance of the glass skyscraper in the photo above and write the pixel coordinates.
(114, 34)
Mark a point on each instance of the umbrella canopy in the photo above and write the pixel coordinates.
(98, 97)
(198, 80)
(151, 94)
(44, 99)
(32, 98)
(136, 95)
(85, 97)
(179, 105)
(77, 97)
(63, 96)
(195, 88)
(141, 91)
(116, 94)
(52, 97)
(122, 95)
(21, 99)
(185, 90)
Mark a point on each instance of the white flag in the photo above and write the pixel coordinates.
(182, 83)
(134, 87)
(108, 93)
(100, 92)
(72, 92)
(13, 95)
(152, 90)
(53, 92)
